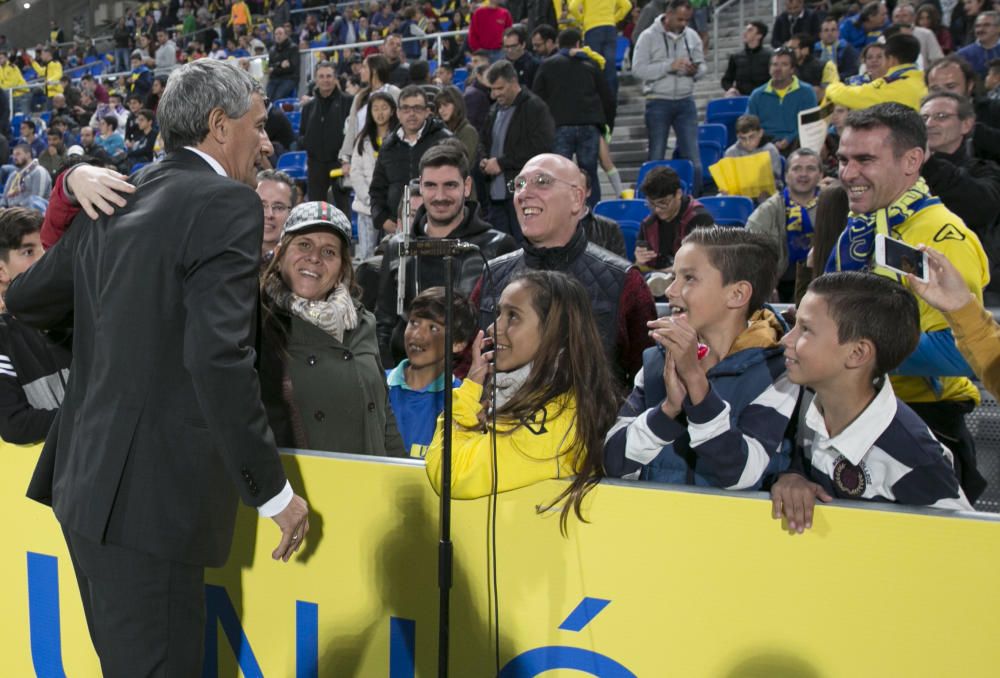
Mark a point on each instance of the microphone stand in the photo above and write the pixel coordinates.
(445, 545)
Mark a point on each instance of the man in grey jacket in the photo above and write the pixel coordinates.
(669, 59)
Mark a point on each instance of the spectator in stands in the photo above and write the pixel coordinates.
(543, 41)
(54, 156)
(873, 59)
(795, 19)
(487, 26)
(787, 217)
(380, 120)
(832, 48)
(808, 68)
(141, 150)
(963, 20)
(672, 216)
(240, 18)
(905, 16)
(444, 75)
(110, 140)
(477, 96)
(929, 17)
(321, 380)
(416, 384)
(748, 69)
(711, 414)
(115, 108)
(954, 74)
(518, 127)
(851, 330)
(987, 44)
(166, 51)
(96, 90)
(34, 366)
(555, 396)
(398, 160)
(29, 137)
(399, 70)
(881, 152)
(450, 107)
(831, 215)
(992, 81)
(321, 133)
(140, 79)
(29, 185)
(283, 60)
(12, 79)
(669, 60)
(976, 332)
(550, 200)
(374, 73)
(902, 83)
(515, 41)
(277, 193)
(749, 135)
(49, 69)
(153, 100)
(121, 37)
(420, 75)
(88, 142)
(866, 26)
(447, 212)
(598, 22)
(580, 102)
(777, 103)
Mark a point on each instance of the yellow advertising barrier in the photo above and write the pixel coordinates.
(661, 582)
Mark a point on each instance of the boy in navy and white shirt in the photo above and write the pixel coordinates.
(856, 440)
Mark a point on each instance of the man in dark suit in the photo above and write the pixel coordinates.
(162, 426)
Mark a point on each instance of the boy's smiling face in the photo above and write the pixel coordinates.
(697, 289)
(424, 341)
(814, 356)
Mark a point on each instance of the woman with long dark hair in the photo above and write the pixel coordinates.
(450, 106)
(830, 221)
(379, 122)
(555, 397)
(375, 77)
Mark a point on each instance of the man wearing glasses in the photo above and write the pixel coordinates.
(515, 41)
(549, 199)
(277, 196)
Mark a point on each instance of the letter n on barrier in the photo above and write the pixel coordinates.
(219, 610)
(402, 648)
(43, 615)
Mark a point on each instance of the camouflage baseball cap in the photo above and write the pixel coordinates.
(310, 216)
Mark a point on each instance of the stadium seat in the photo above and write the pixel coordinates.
(288, 104)
(293, 164)
(294, 117)
(725, 111)
(459, 77)
(621, 51)
(629, 215)
(138, 166)
(711, 153)
(713, 131)
(684, 169)
(15, 125)
(729, 210)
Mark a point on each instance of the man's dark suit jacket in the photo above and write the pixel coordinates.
(162, 425)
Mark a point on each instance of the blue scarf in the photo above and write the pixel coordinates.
(857, 242)
(798, 227)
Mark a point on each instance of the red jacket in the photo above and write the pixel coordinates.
(59, 214)
(487, 26)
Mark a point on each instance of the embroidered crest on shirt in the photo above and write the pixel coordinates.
(850, 480)
(536, 422)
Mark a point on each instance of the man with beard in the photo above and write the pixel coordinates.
(447, 212)
(29, 182)
(54, 155)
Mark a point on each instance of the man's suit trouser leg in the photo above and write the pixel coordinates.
(146, 615)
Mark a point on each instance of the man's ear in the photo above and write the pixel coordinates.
(218, 125)
(4, 272)
(468, 187)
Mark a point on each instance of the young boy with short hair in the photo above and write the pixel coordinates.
(712, 401)
(34, 366)
(416, 384)
(858, 440)
(749, 134)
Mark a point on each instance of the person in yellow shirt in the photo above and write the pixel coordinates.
(902, 83)
(555, 397)
(599, 19)
(881, 151)
(239, 17)
(49, 69)
(12, 79)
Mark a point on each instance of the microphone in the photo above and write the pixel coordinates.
(435, 247)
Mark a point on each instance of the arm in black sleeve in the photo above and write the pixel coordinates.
(729, 77)
(378, 194)
(385, 305)
(20, 423)
(974, 198)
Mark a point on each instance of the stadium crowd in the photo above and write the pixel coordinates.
(857, 389)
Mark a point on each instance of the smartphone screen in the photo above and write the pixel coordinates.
(902, 257)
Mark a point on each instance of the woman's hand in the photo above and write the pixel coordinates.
(482, 361)
(96, 188)
(945, 288)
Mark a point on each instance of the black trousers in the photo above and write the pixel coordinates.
(946, 419)
(146, 616)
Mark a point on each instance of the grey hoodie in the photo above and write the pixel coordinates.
(656, 50)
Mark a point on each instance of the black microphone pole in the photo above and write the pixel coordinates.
(445, 546)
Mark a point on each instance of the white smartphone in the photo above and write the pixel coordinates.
(897, 256)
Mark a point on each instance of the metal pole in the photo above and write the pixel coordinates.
(445, 546)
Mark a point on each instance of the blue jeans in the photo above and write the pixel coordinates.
(604, 41)
(585, 142)
(682, 115)
(122, 60)
(280, 88)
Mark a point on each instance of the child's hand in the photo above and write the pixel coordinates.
(681, 341)
(674, 402)
(481, 360)
(794, 497)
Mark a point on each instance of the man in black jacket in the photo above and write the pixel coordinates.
(322, 134)
(581, 104)
(284, 62)
(515, 43)
(399, 159)
(447, 212)
(518, 127)
(749, 68)
(795, 19)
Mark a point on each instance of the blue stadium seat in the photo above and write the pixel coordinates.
(725, 111)
(713, 131)
(458, 79)
(629, 215)
(288, 104)
(684, 169)
(621, 51)
(15, 125)
(138, 166)
(711, 153)
(729, 210)
(46, 116)
(294, 117)
(293, 164)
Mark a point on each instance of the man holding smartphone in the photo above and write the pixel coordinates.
(669, 58)
(881, 152)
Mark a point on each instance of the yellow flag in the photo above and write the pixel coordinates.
(749, 175)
